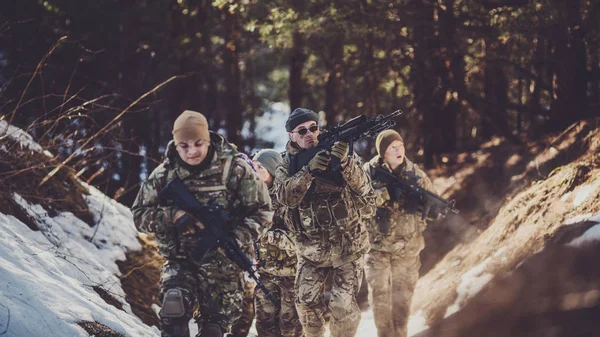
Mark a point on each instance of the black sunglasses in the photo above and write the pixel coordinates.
(312, 128)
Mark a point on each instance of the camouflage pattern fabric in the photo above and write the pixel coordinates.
(277, 248)
(310, 302)
(277, 260)
(213, 285)
(232, 183)
(242, 326)
(328, 222)
(271, 322)
(392, 264)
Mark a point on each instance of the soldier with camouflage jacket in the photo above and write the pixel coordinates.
(276, 255)
(209, 167)
(392, 265)
(326, 210)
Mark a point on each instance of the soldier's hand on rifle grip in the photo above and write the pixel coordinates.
(340, 150)
(186, 223)
(319, 162)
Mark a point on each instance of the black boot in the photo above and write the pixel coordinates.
(211, 330)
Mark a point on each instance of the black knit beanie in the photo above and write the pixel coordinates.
(299, 116)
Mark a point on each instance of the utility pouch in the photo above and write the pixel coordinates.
(382, 216)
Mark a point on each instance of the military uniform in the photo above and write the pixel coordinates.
(214, 282)
(392, 265)
(242, 326)
(277, 268)
(327, 219)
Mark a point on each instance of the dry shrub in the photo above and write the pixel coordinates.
(22, 170)
(98, 329)
(140, 279)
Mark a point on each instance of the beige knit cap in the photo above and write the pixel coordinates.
(384, 139)
(190, 125)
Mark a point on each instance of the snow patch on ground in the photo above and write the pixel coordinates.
(416, 324)
(578, 218)
(591, 235)
(46, 276)
(584, 192)
(472, 282)
(19, 135)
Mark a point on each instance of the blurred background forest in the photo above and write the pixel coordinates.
(100, 82)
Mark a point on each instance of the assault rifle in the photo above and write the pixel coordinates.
(418, 198)
(215, 221)
(353, 130)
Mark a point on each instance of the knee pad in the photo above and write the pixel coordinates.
(174, 318)
(173, 305)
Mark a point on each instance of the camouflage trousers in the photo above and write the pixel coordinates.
(273, 322)
(392, 278)
(213, 286)
(242, 326)
(311, 304)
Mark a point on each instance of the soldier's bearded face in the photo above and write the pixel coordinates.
(305, 134)
(394, 154)
(192, 152)
(262, 172)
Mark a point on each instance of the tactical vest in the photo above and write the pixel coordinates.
(208, 184)
(395, 229)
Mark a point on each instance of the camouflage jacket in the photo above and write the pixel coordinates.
(404, 231)
(228, 179)
(328, 219)
(277, 248)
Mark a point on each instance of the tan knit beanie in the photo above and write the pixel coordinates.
(384, 139)
(190, 125)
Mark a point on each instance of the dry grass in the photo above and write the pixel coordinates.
(140, 279)
(22, 170)
(98, 329)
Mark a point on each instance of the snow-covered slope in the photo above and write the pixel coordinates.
(48, 277)
(64, 273)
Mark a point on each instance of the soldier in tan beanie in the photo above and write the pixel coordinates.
(191, 137)
(392, 264)
(214, 172)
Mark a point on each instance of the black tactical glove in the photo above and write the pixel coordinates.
(340, 150)
(319, 162)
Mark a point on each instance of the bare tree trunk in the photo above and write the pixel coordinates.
(209, 93)
(331, 88)
(570, 80)
(428, 90)
(129, 169)
(233, 94)
(495, 121)
(454, 74)
(297, 59)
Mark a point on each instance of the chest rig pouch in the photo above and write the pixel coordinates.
(206, 185)
(323, 206)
